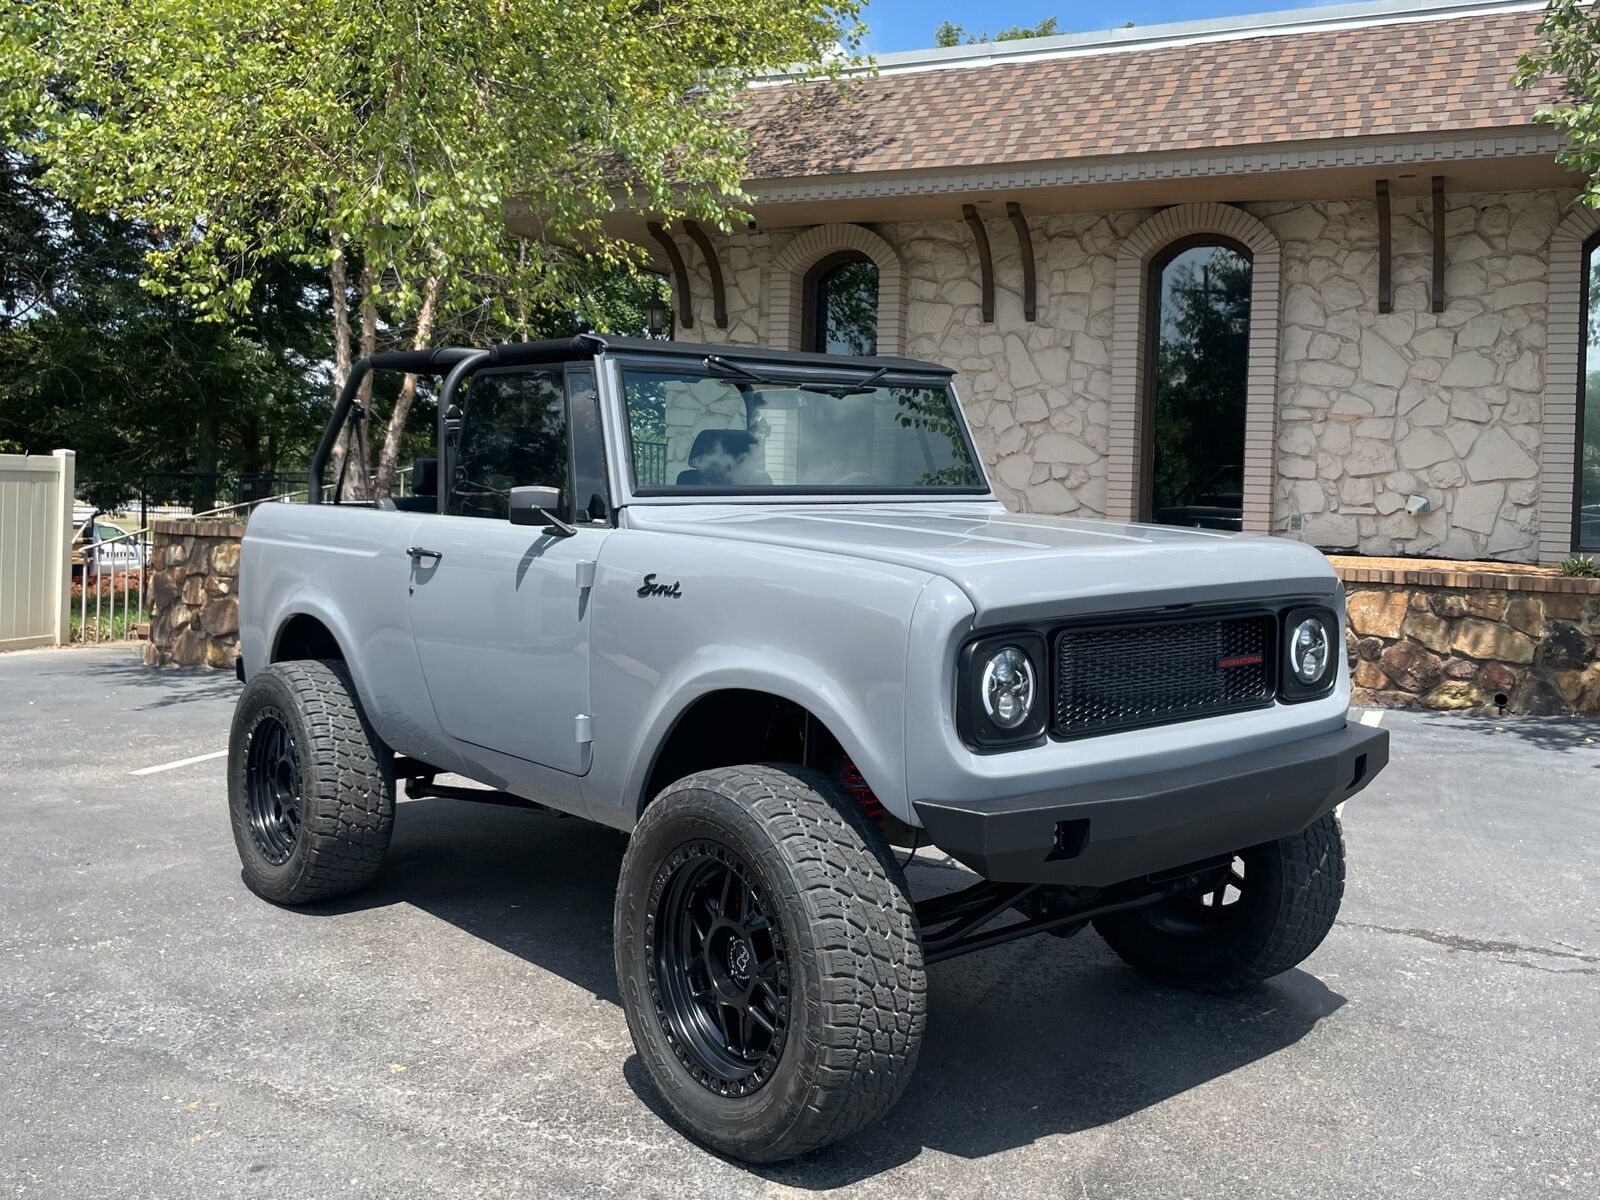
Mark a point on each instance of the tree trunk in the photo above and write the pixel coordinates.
(339, 295)
(205, 492)
(523, 323)
(389, 456)
(358, 484)
(250, 459)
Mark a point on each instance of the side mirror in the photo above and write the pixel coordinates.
(532, 506)
(425, 477)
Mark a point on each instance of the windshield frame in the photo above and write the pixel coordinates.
(780, 372)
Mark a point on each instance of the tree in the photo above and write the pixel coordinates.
(134, 382)
(951, 34)
(383, 144)
(1569, 52)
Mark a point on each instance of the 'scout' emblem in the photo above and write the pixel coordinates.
(651, 588)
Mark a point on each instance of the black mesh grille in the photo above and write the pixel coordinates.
(1154, 673)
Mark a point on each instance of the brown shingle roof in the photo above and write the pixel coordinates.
(1450, 74)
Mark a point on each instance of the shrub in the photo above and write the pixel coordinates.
(1581, 566)
(119, 582)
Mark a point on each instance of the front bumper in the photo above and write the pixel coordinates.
(1103, 833)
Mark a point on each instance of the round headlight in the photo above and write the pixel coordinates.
(1007, 687)
(1308, 650)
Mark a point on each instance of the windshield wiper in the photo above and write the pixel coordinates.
(859, 388)
(715, 362)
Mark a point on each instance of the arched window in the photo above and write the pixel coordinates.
(841, 305)
(1198, 364)
(1147, 260)
(1586, 476)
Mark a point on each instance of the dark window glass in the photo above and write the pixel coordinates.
(590, 499)
(1200, 348)
(513, 434)
(1588, 482)
(843, 315)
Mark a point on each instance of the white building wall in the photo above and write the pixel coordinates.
(1376, 407)
(1372, 407)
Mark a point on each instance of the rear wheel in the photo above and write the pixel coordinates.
(310, 784)
(768, 960)
(1261, 915)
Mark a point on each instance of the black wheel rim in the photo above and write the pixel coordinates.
(272, 787)
(719, 972)
(1216, 904)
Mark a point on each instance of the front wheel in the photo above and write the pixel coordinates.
(768, 960)
(1265, 913)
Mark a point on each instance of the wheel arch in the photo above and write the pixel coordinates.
(683, 738)
(303, 635)
(311, 630)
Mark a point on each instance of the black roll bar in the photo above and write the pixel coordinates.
(409, 362)
(447, 361)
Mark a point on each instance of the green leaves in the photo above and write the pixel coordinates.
(129, 379)
(390, 144)
(951, 34)
(1569, 52)
(244, 130)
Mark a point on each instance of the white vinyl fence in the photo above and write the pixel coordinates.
(35, 548)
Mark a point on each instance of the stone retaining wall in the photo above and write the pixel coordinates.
(1465, 640)
(194, 593)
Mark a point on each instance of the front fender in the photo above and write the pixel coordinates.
(824, 632)
(789, 677)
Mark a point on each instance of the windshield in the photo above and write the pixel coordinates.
(695, 432)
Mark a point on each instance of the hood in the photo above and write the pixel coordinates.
(1017, 566)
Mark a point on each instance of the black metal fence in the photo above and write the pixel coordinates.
(650, 463)
(183, 493)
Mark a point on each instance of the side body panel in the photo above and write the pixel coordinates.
(826, 632)
(502, 630)
(347, 567)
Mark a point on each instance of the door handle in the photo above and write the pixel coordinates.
(419, 552)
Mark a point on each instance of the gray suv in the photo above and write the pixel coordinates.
(762, 611)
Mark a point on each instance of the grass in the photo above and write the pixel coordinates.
(119, 627)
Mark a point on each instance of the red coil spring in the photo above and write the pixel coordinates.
(856, 785)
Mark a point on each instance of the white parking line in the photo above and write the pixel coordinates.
(182, 762)
(1373, 716)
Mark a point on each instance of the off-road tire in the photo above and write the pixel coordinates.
(345, 779)
(1292, 894)
(857, 989)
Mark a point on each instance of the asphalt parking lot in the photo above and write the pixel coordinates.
(455, 1030)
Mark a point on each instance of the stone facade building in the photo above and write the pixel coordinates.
(1317, 274)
